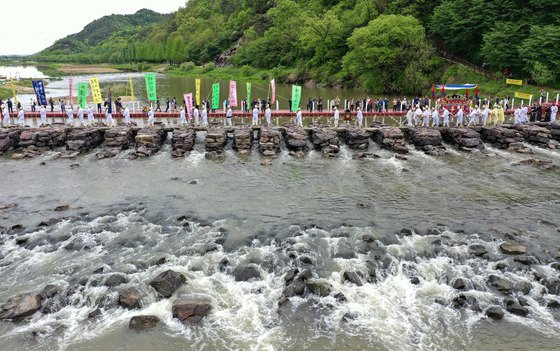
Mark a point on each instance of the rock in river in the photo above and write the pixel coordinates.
(191, 311)
(168, 282)
(142, 323)
(20, 306)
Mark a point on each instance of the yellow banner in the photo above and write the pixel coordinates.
(523, 96)
(14, 90)
(197, 91)
(514, 81)
(95, 91)
(131, 89)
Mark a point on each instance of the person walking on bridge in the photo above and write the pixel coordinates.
(90, 116)
(126, 115)
(182, 117)
(229, 116)
(151, 119)
(62, 107)
(43, 113)
(10, 106)
(21, 118)
(204, 116)
(7, 121)
(255, 121)
(51, 102)
(81, 116)
(553, 112)
(299, 118)
(360, 117)
(70, 114)
(336, 116)
(268, 115)
(195, 114)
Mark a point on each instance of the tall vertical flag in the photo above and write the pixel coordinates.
(443, 91)
(131, 89)
(39, 89)
(249, 94)
(70, 93)
(476, 93)
(82, 94)
(13, 90)
(95, 91)
(197, 86)
(433, 92)
(110, 109)
(189, 104)
(151, 86)
(232, 93)
(296, 97)
(215, 95)
(467, 95)
(273, 88)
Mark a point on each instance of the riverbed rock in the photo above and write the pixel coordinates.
(319, 287)
(428, 140)
(326, 140)
(502, 138)
(216, 139)
(356, 138)
(478, 250)
(246, 272)
(115, 280)
(269, 141)
(523, 286)
(296, 139)
(143, 323)
(243, 139)
(494, 312)
(21, 306)
(191, 310)
(129, 298)
(149, 141)
(512, 248)
(182, 141)
(48, 291)
(460, 284)
(352, 277)
(466, 139)
(390, 139)
(82, 140)
(544, 165)
(116, 140)
(500, 284)
(513, 306)
(166, 283)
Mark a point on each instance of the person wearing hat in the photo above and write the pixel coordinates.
(445, 117)
(204, 116)
(229, 116)
(494, 115)
(360, 117)
(109, 117)
(336, 116)
(299, 118)
(70, 114)
(43, 113)
(81, 116)
(460, 115)
(553, 112)
(435, 117)
(21, 117)
(268, 115)
(182, 116)
(151, 118)
(255, 121)
(195, 114)
(126, 115)
(426, 119)
(485, 112)
(90, 116)
(7, 121)
(417, 115)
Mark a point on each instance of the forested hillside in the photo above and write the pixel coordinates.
(383, 45)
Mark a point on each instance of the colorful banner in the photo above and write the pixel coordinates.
(197, 85)
(188, 104)
(151, 86)
(514, 81)
(131, 89)
(467, 94)
(95, 91)
(215, 95)
(273, 88)
(476, 93)
(70, 93)
(13, 90)
(232, 93)
(39, 89)
(433, 92)
(249, 103)
(523, 96)
(296, 97)
(82, 94)
(110, 109)
(443, 92)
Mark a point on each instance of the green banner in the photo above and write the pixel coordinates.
(82, 94)
(249, 103)
(296, 97)
(151, 86)
(215, 95)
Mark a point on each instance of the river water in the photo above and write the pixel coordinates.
(123, 214)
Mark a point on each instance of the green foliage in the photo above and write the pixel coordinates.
(188, 66)
(389, 55)
(541, 55)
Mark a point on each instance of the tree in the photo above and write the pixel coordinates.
(540, 53)
(389, 55)
(500, 46)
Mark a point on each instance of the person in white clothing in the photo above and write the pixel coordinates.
(524, 112)
(299, 118)
(417, 115)
(195, 114)
(426, 119)
(7, 120)
(409, 116)
(268, 115)
(182, 117)
(21, 118)
(460, 115)
(473, 117)
(553, 112)
(81, 116)
(336, 116)
(43, 116)
(126, 114)
(435, 117)
(360, 117)
(485, 112)
(229, 116)
(151, 118)
(255, 121)
(204, 116)
(70, 114)
(445, 117)
(90, 116)
(109, 118)
(517, 116)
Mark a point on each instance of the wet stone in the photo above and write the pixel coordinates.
(143, 323)
(494, 312)
(191, 310)
(166, 283)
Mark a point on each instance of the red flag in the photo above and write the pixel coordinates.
(189, 104)
(273, 88)
(232, 93)
(433, 92)
(443, 91)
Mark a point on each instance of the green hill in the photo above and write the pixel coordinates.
(381, 45)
